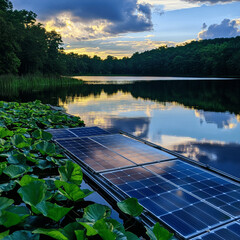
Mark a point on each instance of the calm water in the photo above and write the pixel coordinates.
(199, 118)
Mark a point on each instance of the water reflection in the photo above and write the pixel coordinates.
(200, 119)
(223, 156)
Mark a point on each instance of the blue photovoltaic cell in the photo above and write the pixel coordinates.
(133, 150)
(61, 133)
(227, 232)
(97, 157)
(88, 131)
(184, 213)
(220, 192)
(76, 132)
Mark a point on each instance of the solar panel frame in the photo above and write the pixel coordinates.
(165, 207)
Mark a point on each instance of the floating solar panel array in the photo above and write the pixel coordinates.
(188, 199)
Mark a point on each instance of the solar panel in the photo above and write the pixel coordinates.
(61, 133)
(228, 232)
(133, 150)
(220, 192)
(95, 156)
(184, 213)
(76, 132)
(88, 131)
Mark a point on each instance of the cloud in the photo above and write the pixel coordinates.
(121, 15)
(211, 1)
(226, 29)
(116, 48)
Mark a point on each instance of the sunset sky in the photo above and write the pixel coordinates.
(122, 27)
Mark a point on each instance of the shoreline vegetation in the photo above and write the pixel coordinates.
(40, 189)
(11, 85)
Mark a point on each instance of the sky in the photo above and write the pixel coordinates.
(122, 27)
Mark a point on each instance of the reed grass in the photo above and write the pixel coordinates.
(11, 84)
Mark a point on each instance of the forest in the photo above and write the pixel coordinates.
(28, 48)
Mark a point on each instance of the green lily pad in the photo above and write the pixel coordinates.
(15, 157)
(40, 134)
(72, 191)
(66, 233)
(94, 212)
(5, 203)
(23, 235)
(131, 207)
(52, 211)
(13, 215)
(20, 141)
(5, 187)
(105, 230)
(15, 171)
(71, 172)
(89, 227)
(159, 233)
(4, 132)
(4, 234)
(46, 148)
(3, 165)
(26, 179)
(33, 193)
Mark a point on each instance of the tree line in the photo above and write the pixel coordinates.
(27, 47)
(216, 57)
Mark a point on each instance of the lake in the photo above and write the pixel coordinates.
(198, 118)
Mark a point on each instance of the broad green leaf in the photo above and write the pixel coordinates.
(54, 233)
(33, 193)
(40, 134)
(26, 179)
(52, 211)
(131, 236)
(71, 190)
(5, 187)
(15, 171)
(94, 212)
(20, 141)
(90, 230)
(5, 202)
(71, 172)
(105, 230)
(4, 132)
(46, 148)
(69, 230)
(116, 225)
(15, 157)
(4, 234)
(3, 165)
(13, 215)
(22, 235)
(67, 233)
(159, 233)
(131, 207)
(80, 235)
(43, 164)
